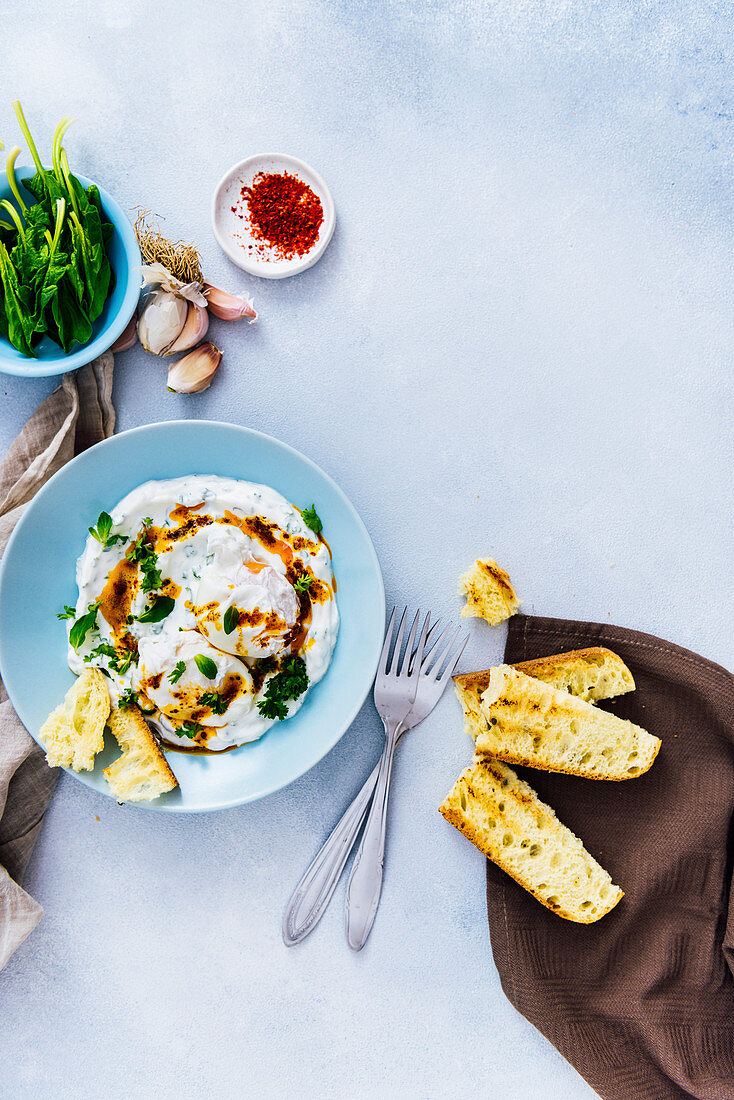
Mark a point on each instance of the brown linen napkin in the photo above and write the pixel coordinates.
(77, 414)
(642, 1003)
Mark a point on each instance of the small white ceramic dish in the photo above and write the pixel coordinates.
(232, 230)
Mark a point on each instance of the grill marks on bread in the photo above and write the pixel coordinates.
(528, 722)
(590, 674)
(489, 592)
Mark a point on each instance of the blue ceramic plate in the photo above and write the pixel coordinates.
(118, 309)
(37, 576)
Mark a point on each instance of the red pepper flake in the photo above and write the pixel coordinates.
(284, 214)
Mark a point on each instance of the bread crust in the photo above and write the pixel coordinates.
(142, 772)
(556, 667)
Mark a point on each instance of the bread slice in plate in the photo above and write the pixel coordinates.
(531, 723)
(590, 674)
(506, 820)
(73, 733)
(142, 772)
(489, 593)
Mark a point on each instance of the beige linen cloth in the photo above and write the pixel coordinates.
(76, 415)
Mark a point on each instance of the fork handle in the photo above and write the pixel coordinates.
(313, 893)
(365, 881)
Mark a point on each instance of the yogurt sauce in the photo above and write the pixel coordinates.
(249, 586)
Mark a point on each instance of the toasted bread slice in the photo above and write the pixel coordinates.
(589, 674)
(489, 593)
(530, 723)
(506, 820)
(142, 772)
(73, 733)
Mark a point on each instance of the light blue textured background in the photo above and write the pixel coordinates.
(519, 343)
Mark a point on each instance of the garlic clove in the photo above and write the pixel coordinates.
(197, 322)
(128, 337)
(157, 275)
(161, 322)
(194, 372)
(227, 307)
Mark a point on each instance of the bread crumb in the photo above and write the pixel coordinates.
(489, 593)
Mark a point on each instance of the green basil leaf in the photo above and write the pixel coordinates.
(206, 666)
(82, 626)
(231, 619)
(160, 609)
(102, 531)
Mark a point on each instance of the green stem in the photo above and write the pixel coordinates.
(27, 134)
(10, 170)
(60, 208)
(10, 209)
(67, 173)
(59, 132)
(78, 234)
(5, 225)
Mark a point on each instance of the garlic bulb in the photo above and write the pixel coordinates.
(161, 322)
(195, 371)
(197, 322)
(227, 307)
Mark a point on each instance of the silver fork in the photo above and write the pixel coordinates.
(365, 882)
(314, 890)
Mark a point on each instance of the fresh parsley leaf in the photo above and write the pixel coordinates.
(311, 519)
(231, 619)
(206, 666)
(152, 577)
(189, 729)
(82, 626)
(303, 583)
(177, 672)
(104, 649)
(68, 613)
(143, 553)
(289, 683)
(102, 532)
(122, 663)
(140, 548)
(160, 609)
(129, 698)
(147, 522)
(216, 702)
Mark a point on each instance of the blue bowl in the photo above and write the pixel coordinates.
(125, 260)
(37, 577)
